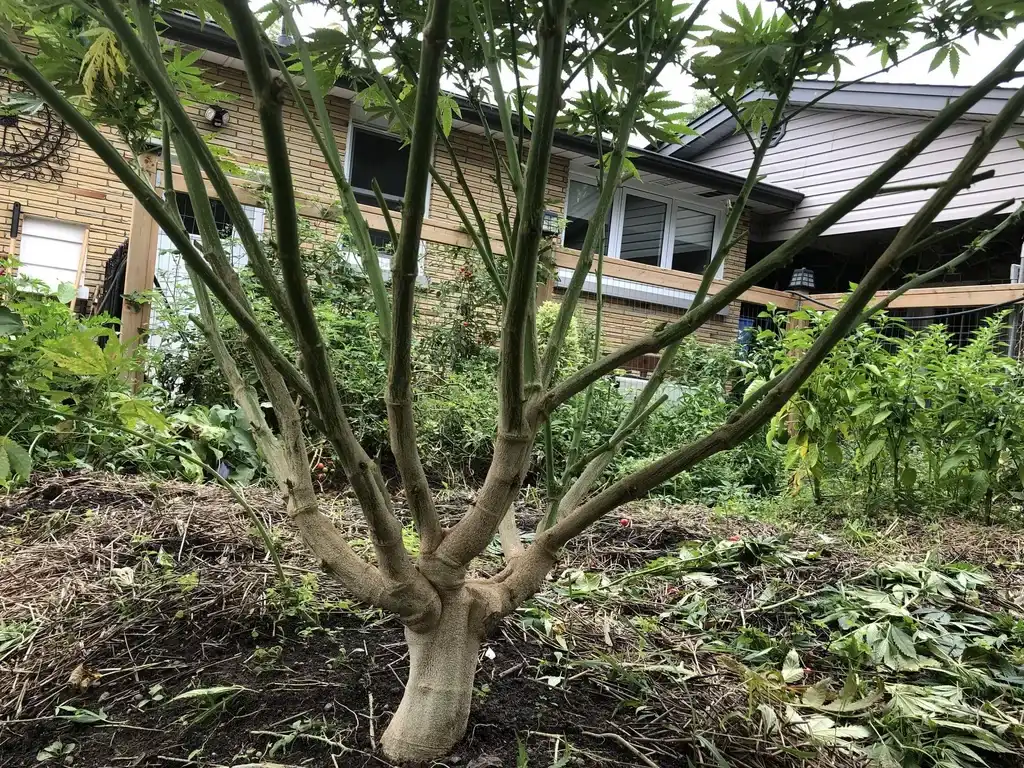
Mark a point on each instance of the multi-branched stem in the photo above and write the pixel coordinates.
(447, 610)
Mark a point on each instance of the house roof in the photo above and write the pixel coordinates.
(892, 98)
(189, 30)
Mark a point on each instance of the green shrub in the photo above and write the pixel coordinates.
(456, 366)
(903, 414)
(57, 369)
(53, 361)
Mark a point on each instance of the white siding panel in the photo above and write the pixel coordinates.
(826, 152)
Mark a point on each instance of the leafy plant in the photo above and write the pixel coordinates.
(902, 403)
(303, 373)
(57, 750)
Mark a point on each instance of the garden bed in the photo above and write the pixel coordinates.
(141, 624)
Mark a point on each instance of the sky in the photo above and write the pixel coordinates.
(981, 57)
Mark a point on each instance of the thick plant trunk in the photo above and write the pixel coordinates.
(434, 711)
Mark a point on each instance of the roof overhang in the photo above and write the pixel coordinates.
(890, 98)
(189, 30)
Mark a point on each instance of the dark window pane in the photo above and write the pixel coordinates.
(381, 240)
(188, 215)
(381, 157)
(643, 229)
(579, 211)
(695, 232)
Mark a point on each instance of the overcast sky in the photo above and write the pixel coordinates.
(981, 58)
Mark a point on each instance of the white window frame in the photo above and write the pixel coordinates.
(672, 201)
(358, 119)
(78, 268)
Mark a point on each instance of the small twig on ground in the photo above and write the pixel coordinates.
(512, 670)
(805, 595)
(373, 735)
(621, 741)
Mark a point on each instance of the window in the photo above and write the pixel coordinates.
(695, 234)
(171, 275)
(644, 228)
(50, 250)
(188, 216)
(376, 155)
(381, 240)
(579, 210)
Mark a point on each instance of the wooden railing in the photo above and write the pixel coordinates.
(943, 296)
(142, 260)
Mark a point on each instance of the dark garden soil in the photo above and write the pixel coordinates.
(118, 596)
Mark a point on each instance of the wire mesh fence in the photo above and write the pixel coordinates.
(961, 323)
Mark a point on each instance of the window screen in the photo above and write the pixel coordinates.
(50, 250)
(381, 157)
(171, 275)
(579, 211)
(695, 232)
(643, 229)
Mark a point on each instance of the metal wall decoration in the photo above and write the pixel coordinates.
(34, 143)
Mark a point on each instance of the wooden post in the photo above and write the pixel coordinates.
(83, 257)
(140, 268)
(791, 425)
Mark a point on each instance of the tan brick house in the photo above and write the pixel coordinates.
(662, 227)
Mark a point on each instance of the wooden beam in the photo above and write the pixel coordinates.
(943, 296)
(682, 281)
(140, 268)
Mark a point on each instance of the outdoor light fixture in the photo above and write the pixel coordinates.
(802, 280)
(216, 116)
(15, 220)
(551, 225)
(285, 41)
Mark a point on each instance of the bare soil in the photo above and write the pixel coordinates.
(117, 595)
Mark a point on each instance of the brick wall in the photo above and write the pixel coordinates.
(477, 165)
(88, 194)
(91, 195)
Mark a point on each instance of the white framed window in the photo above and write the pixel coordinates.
(171, 274)
(375, 154)
(694, 240)
(646, 227)
(50, 250)
(372, 152)
(385, 251)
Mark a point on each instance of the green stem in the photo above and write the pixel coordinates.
(491, 60)
(325, 139)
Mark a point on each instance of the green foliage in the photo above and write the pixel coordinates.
(903, 413)
(51, 359)
(905, 664)
(86, 60)
(55, 367)
(466, 315)
(455, 364)
(700, 391)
